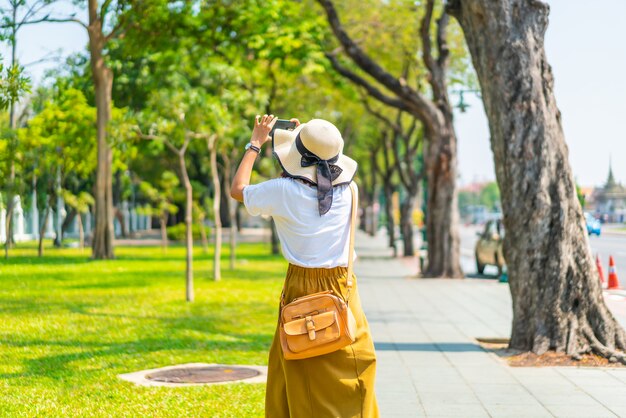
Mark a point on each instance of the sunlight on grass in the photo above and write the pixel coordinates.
(70, 325)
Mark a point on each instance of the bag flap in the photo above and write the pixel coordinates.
(321, 321)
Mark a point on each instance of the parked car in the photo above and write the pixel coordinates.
(593, 225)
(489, 246)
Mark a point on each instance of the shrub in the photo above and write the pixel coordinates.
(177, 232)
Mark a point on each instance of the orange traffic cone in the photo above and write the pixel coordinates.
(613, 280)
(600, 271)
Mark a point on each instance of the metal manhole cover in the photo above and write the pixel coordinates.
(208, 374)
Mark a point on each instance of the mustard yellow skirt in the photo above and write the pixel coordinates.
(339, 384)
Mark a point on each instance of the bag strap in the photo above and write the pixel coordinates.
(352, 233)
(350, 249)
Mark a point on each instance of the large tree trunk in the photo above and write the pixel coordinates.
(557, 297)
(442, 213)
(188, 228)
(217, 219)
(104, 234)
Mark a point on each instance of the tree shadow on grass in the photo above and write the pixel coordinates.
(130, 277)
(56, 366)
(56, 259)
(219, 331)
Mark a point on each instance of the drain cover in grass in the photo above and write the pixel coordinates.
(193, 374)
(208, 374)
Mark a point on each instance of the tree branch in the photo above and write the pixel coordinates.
(32, 11)
(427, 55)
(117, 29)
(50, 20)
(405, 174)
(401, 89)
(152, 137)
(183, 150)
(373, 91)
(103, 9)
(376, 114)
(442, 41)
(388, 171)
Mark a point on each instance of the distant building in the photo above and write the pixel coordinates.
(610, 200)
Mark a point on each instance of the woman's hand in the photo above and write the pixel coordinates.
(262, 127)
(296, 121)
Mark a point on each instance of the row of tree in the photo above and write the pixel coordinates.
(173, 85)
(176, 94)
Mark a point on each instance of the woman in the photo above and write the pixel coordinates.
(311, 207)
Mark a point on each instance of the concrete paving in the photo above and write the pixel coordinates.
(430, 365)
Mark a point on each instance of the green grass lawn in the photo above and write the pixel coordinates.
(70, 325)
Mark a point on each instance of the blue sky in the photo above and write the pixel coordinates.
(585, 46)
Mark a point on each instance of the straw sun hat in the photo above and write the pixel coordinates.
(314, 151)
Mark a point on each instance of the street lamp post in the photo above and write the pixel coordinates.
(462, 105)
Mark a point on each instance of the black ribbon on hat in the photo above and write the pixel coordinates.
(327, 172)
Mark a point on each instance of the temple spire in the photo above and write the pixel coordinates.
(610, 181)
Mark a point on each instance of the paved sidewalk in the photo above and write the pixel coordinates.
(429, 364)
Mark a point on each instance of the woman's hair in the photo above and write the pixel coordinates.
(307, 181)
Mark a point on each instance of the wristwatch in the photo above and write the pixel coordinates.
(253, 147)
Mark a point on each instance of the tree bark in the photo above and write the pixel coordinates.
(81, 233)
(406, 224)
(42, 229)
(391, 233)
(67, 221)
(203, 237)
(12, 124)
(217, 219)
(557, 298)
(119, 215)
(104, 233)
(163, 228)
(386, 173)
(274, 237)
(442, 215)
(188, 227)
(232, 213)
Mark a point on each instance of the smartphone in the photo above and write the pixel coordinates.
(283, 124)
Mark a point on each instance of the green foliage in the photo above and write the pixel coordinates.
(178, 231)
(582, 199)
(159, 199)
(75, 324)
(61, 136)
(490, 195)
(58, 148)
(80, 202)
(13, 84)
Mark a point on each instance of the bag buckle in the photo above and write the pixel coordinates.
(310, 327)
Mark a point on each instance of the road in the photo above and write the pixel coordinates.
(609, 243)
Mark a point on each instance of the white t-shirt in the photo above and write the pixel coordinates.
(307, 239)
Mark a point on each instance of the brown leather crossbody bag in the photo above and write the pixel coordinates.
(319, 323)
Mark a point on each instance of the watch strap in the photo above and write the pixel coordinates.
(254, 148)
